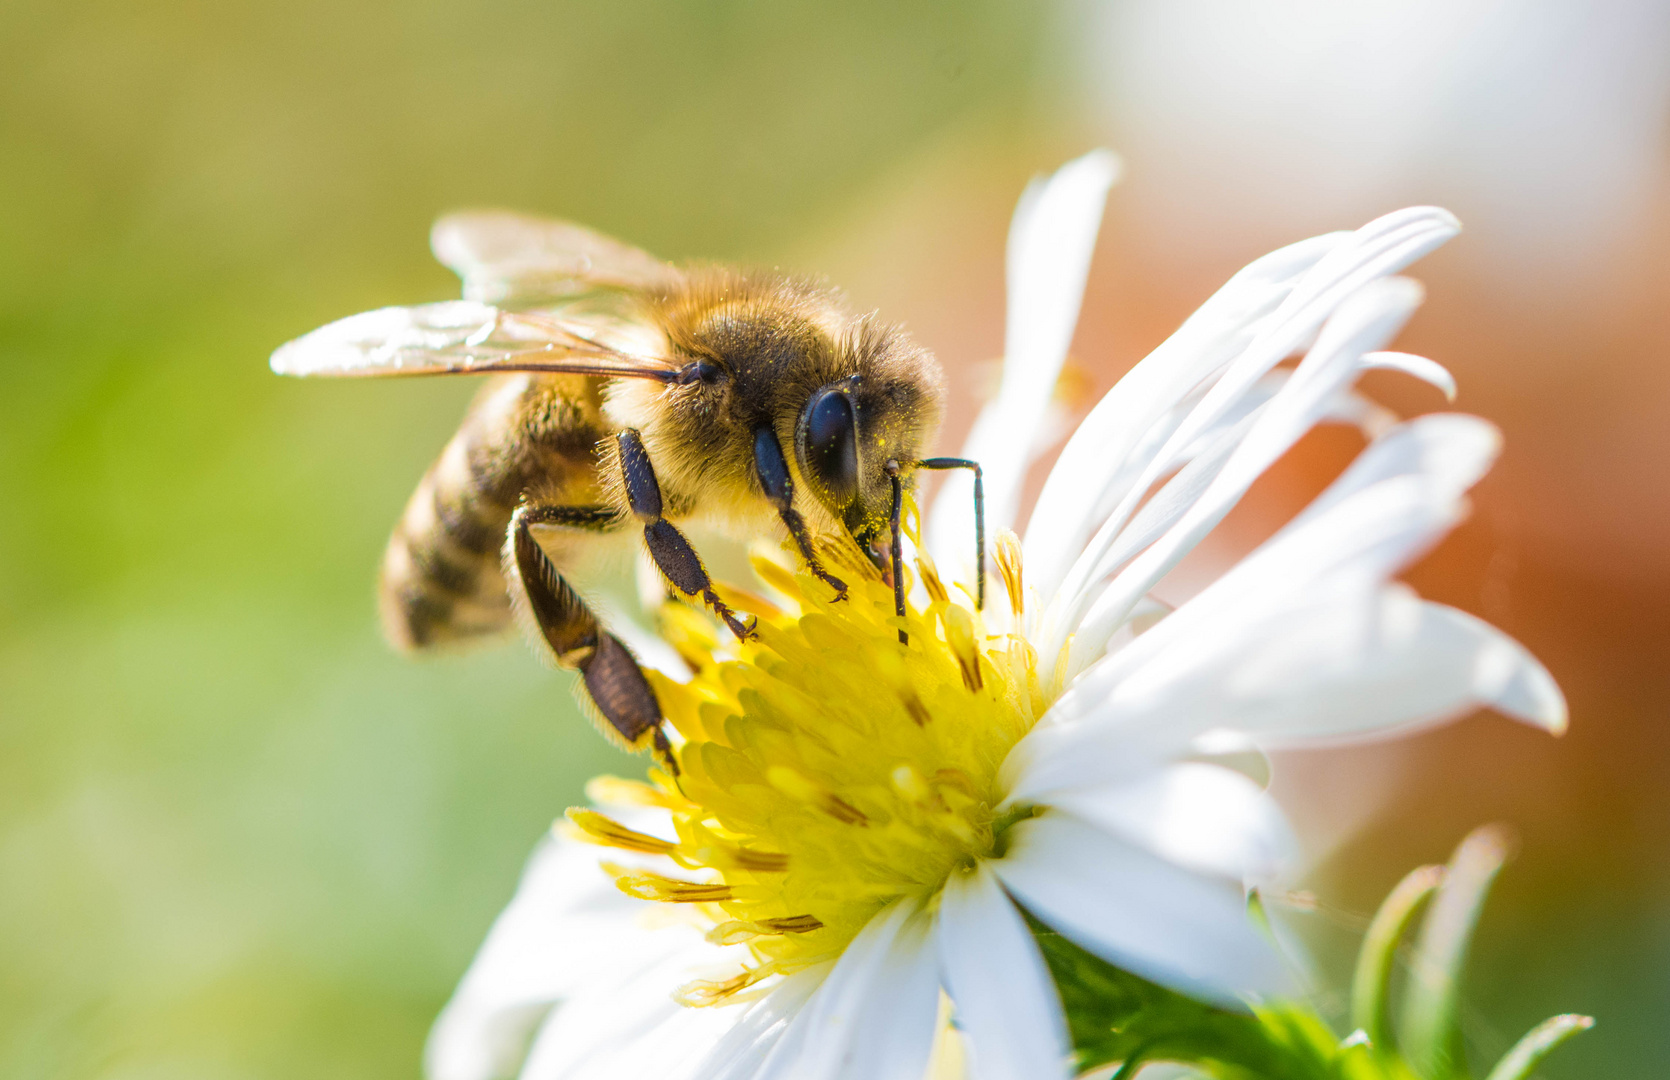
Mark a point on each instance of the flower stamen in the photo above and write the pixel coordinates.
(644, 885)
(737, 931)
(607, 831)
(1009, 569)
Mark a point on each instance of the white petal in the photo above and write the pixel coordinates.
(1097, 462)
(744, 1050)
(1428, 371)
(1051, 241)
(1205, 458)
(566, 928)
(1180, 928)
(631, 1026)
(1401, 494)
(1270, 309)
(875, 1014)
(1397, 665)
(1147, 700)
(1451, 451)
(1363, 322)
(1200, 816)
(1351, 668)
(1346, 408)
(1005, 1001)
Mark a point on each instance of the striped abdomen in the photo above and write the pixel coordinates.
(442, 579)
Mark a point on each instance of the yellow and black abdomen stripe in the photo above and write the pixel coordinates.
(442, 580)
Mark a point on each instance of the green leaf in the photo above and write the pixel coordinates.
(1431, 1034)
(1537, 1044)
(1374, 963)
(1115, 1016)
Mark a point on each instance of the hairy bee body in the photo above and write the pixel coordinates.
(626, 393)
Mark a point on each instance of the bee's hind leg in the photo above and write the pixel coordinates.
(613, 679)
(673, 555)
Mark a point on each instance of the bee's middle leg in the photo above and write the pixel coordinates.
(673, 555)
(612, 677)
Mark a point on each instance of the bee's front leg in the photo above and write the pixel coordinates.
(673, 555)
(773, 470)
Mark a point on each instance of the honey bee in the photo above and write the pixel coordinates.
(625, 392)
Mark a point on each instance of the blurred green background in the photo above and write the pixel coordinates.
(239, 838)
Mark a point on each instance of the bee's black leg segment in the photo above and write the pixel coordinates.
(893, 523)
(566, 623)
(582, 518)
(613, 679)
(617, 685)
(979, 518)
(772, 468)
(673, 555)
(680, 564)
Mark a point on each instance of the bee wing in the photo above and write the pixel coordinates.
(511, 258)
(462, 337)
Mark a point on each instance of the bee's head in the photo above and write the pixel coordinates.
(851, 428)
(842, 395)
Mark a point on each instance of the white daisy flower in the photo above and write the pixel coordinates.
(858, 825)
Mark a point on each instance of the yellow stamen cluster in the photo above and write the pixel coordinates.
(825, 769)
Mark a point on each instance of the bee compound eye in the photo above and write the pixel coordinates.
(831, 454)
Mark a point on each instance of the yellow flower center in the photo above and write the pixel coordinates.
(826, 769)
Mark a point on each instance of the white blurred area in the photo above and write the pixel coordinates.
(1542, 123)
(1546, 120)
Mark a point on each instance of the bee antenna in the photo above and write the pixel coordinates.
(898, 547)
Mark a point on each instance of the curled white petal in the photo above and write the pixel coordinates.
(1364, 321)
(1400, 495)
(1428, 371)
(1266, 312)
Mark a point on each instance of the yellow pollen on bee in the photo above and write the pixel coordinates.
(825, 769)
